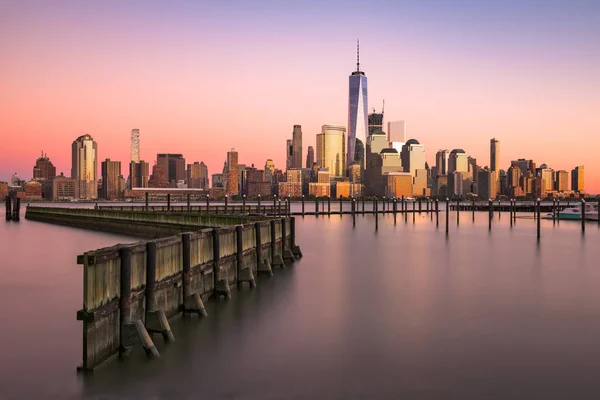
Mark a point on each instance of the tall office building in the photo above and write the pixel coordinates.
(197, 176)
(357, 108)
(111, 179)
(84, 166)
(413, 156)
(441, 161)
(487, 187)
(396, 134)
(135, 145)
(495, 155)
(562, 181)
(547, 175)
(458, 161)
(232, 173)
(173, 166)
(44, 169)
(139, 174)
(310, 157)
(577, 179)
(289, 154)
(297, 147)
(331, 145)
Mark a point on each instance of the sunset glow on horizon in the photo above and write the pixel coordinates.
(201, 77)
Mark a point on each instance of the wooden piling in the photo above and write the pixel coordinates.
(303, 205)
(447, 214)
(375, 210)
(353, 211)
(243, 204)
(457, 211)
(317, 206)
(363, 205)
(539, 206)
(124, 295)
(149, 294)
(394, 205)
(328, 205)
(8, 208)
(341, 206)
(437, 212)
(582, 215)
(490, 214)
(473, 210)
(147, 201)
(168, 201)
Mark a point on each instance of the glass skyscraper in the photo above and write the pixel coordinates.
(357, 109)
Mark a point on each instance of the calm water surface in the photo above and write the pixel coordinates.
(400, 313)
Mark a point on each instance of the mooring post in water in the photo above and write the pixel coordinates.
(510, 211)
(146, 201)
(243, 204)
(316, 206)
(168, 201)
(490, 214)
(383, 204)
(375, 210)
(537, 211)
(437, 212)
(447, 214)
(341, 206)
(295, 248)
(414, 211)
(192, 302)
(303, 205)
(328, 205)
(353, 211)
(499, 209)
(473, 209)
(553, 211)
(582, 215)
(8, 209)
(363, 205)
(394, 205)
(16, 209)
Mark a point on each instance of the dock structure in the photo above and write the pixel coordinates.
(130, 291)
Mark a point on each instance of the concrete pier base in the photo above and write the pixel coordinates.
(246, 275)
(222, 289)
(194, 304)
(265, 268)
(135, 334)
(288, 255)
(297, 252)
(278, 261)
(156, 322)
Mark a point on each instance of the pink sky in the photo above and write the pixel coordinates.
(199, 80)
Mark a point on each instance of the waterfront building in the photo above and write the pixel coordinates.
(373, 173)
(135, 146)
(420, 182)
(319, 189)
(577, 182)
(139, 174)
(513, 177)
(441, 161)
(64, 188)
(398, 184)
(413, 156)
(562, 181)
(257, 184)
(111, 180)
(173, 166)
(494, 155)
(232, 187)
(487, 184)
(44, 169)
(524, 165)
(310, 157)
(292, 187)
(269, 170)
(331, 144)
(396, 134)
(33, 190)
(3, 190)
(158, 178)
(217, 193)
(84, 166)
(297, 147)
(197, 175)
(547, 175)
(357, 109)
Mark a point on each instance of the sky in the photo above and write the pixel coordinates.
(200, 77)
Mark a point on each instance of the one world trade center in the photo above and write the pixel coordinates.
(357, 111)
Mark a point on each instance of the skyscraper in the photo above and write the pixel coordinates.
(458, 161)
(396, 134)
(232, 173)
(84, 166)
(44, 169)
(135, 145)
(331, 144)
(111, 178)
(562, 181)
(375, 121)
(289, 154)
(297, 147)
(413, 157)
(577, 179)
(441, 161)
(357, 108)
(173, 166)
(494, 155)
(197, 175)
(310, 157)
(139, 174)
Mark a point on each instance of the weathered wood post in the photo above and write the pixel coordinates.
(582, 215)
(124, 296)
(539, 206)
(510, 211)
(447, 215)
(259, 203)
(192, 302)
(8, 208)
(473, 209)
(168, 201)
(427, 202)
(226, 203)
(189, 207)
(394, 205)
(243, 272)
(405, 209)
(274, 204)
(383, 204)
(276, 260)
(490, 214)
(341, 206)
(353, 211)
(146, 201)
(499, 209)
(279, 207)
(221, 285)
(558, 212)
(437, 212)
(376, 209)
(316, 206)
(243, 204)
(363, 205)
(414, 211)
(419, 205)
(303, 205)
(287, 253)
(262, 265)
(207, 203)
(328, 205)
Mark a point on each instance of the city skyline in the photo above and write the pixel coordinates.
(535, 96)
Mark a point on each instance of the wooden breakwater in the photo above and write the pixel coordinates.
(130, 290)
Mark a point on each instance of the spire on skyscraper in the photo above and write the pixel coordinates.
(357, 55)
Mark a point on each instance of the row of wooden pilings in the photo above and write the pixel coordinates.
(13, 207)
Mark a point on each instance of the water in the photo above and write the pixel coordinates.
(404, 312)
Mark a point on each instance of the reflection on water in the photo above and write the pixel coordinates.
(402, 313)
